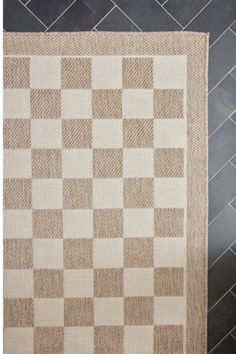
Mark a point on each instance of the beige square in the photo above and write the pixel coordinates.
(16, 73)
(17, 193)
(170, 71)
(76, 73)
(78, 338)
(46, 134)
(138, 222)
(46, 163)
(169, 162)
(48, 283)
(138, 104)
(48, 312)
(107, 163)
(108, 339)
(108, 223)
(138, 340)
(169, 252)
(107, 104)
(138, 133)
(107, 133)
(45, 72)
(16, 103)
(138, 192)
(45, 104)
(169, 310)
(16, 134)
(77, 134)
(108, 193)
(108, 253)
(137, 73)
(78, 253)
(169, 282)
(168, 104)
(108, 283)
(77, 163)
(170, 192)
(48, 254)
(17, 163)
(138, 311)
(78, 283)
(106, 72)
(17, 223)
(77, 193)
(167, 337)
(18, 313)
(138, 252)
(169, 222)
(108, 312)
(76, 104)
(17, 254)
(78, 312)
(162, 136)
(47, 224)
(18, 283)
(47, 193)
(138, 282)
(138, 163)
(48, 340)
(18, 340)
(77, 223)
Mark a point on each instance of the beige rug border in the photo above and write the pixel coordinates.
(195, 46)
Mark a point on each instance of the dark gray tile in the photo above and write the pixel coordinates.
(221, 103)
(227, 346)
(148, 15)
(16, 18)
(222, 146)
(116, 21)
(215, 18)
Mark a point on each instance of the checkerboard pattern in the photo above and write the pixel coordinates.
(94, 204)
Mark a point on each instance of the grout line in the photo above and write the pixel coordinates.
(198, 13)
(232, 331)
(222, 254)
(173, 18)
(229, 72)
(219, 126)
(232, 251)
(94, 27)
(229, 333)
(220, 212)
(231, 163)
(61, 15)
(126, 15)
(228, 28)
(221, 168)
(164, 3)
(232, 205)
(27, 2)
(221, 297)
(32, 13)
(232, 76)
(232, 30)
(232, 120)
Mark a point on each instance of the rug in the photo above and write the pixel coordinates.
(105, 193)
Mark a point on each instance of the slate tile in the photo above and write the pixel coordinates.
(83, 15)
(221, 320)
(16, 18)
(215, 18)
(221, 103)
(222, 146)
(148, 15)
(116, 21)
(227, 346)
(221, 233)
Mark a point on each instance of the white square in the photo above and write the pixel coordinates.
(47, 193)
(138, 163)
(76, 104)
(169, 310)
(78, 283)
(48, 312)
(48, 254)
(138, 339)
(138, 282)
(138, 104)
(170, 71)
(45, 72)
(108, 193)
(77, 163)
(106, 72)
(46, 133)
(138, 222)
(18, 283)
(78, 223)
(107, 133)
(170, 192)
(18, 340)
(169, 252)
(17, 163)
(16, 104)
(108, 311)
(170, 133)
(108, 253)
(17, 224)
(78, 338)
